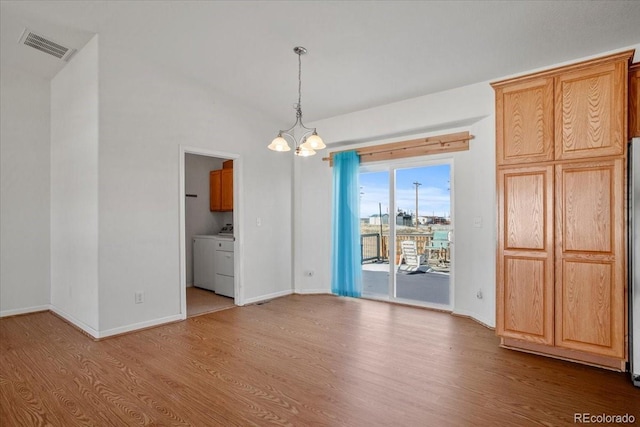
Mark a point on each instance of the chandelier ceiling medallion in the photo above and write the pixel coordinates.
(308, 141)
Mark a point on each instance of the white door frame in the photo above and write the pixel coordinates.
(237, 221)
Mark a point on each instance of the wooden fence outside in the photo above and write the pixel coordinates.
(375, 248)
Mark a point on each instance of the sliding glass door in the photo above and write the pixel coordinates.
(374, 233)
(423, 234)
(407, 233)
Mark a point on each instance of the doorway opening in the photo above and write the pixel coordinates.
(407, 233)
(208, 243)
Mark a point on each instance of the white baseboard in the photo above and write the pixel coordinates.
(489, 323)
(141, 325)
(267, 297)
(313, 291)
(116, 331)
(78, 323)
(15, 312)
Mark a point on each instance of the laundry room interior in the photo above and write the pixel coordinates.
(209, 233)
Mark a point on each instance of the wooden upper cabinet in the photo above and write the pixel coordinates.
(573, 112)
(634, 100)
(591, 111)
(221, 190)
(226, 184)
(524, 121)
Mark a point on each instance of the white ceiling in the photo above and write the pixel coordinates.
(361, 54)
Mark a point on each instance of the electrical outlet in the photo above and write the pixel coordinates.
(479, 294)
(139, 297)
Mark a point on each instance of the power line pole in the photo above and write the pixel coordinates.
(417, 184)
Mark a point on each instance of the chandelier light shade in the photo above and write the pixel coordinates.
(279, 144)
(309, 141)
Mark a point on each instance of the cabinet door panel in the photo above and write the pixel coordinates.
(527, 311)
(525, 210)
(525, 254)
(214, 190)
(525, 122)
(587, 215)
(586, 310)
(227, 190)
(590, 257)
(590, 112)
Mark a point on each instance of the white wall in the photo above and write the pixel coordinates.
(74, 189)
(312, 225)
(475, 196)
(24, 192)
(468, 108)
(146, 114)
(198, 217)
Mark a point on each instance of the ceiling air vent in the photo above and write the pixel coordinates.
(43, 44)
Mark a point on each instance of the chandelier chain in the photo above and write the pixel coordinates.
(306, 140)
(299, 107)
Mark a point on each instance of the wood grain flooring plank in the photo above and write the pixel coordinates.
(295, 361)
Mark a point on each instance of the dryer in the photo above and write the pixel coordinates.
(224, 265)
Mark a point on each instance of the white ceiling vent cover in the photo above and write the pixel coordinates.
(43, 44)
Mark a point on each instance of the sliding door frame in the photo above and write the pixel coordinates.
(391, 167)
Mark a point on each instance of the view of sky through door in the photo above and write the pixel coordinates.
(434, 197)
(422, 220)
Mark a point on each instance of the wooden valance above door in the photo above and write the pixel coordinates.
(412, 148)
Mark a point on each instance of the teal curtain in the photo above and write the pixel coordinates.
(346, 270)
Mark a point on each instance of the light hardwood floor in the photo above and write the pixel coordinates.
(201, 301)
(314, 360)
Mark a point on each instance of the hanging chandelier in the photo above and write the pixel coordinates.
(309, 140)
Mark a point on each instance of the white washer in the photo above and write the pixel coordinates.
(204, 250)
(223, 266)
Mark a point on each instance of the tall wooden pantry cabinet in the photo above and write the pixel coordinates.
(561, 140)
